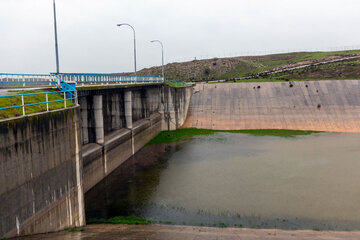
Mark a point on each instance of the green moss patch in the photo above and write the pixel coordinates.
(74, 229)
(130, 220)
(188, 133)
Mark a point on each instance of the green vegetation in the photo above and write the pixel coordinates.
(74, 229)
(15, 101)
(178, 84)
(273, 61)
(222, 225)
(129, 220)
(229, 68)
(188, 133)
(349, 69)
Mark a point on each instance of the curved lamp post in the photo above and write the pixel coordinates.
(162, 57)
(134, 42)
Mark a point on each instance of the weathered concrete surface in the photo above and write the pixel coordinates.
(175, 110)
(119, 107)
(166, 232)
(100, 160)
(131, 117)
(40, 173)
(44, 169)
(332, 106)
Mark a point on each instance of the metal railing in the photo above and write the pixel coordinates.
(27, 80)
(67, 96)
(82, 79)
(66, 84)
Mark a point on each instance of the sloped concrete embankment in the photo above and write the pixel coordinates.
(332, 106)
(40, 173)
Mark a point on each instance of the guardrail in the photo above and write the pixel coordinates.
(26, 80)
(82, 79)
(67, 97)
(66, 84)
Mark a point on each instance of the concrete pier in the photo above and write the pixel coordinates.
(128, 108)
(84, 120)
(115, 111)
(99, 119)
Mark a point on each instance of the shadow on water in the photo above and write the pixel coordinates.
(238, 180)
(127, 189)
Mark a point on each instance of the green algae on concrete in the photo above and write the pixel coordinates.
(129, 220)
(189, 133)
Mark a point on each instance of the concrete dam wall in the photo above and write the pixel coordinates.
(116, 123)
(332, 106)
(48, 160)
(40, 178)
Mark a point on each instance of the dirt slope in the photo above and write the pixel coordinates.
(228, 68)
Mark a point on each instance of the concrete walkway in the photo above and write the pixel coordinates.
(169, 232)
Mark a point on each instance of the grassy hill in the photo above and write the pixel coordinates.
(229, 68)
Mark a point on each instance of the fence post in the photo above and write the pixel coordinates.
(76, 98)
(65, 99)
(23, 103)
(23, 77)
(47, 103)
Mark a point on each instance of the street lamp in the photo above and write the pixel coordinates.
(162, 57)
(56, 41)
(134, 42)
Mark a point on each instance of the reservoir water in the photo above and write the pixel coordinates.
(239, 180)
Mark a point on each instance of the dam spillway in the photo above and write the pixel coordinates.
(331, 105)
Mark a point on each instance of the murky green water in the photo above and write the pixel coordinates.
(306, 182)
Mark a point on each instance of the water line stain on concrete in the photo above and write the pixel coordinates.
(332, 106)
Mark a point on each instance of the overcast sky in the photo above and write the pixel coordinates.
(89, 40)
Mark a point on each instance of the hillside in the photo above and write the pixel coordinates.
(236, 67)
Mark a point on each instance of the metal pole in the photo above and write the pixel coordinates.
(56, 40)
(47, 103)
(23, 104)
(65, 99)
(134, 42)
(162, 57)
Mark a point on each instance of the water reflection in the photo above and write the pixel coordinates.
(239, 180)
